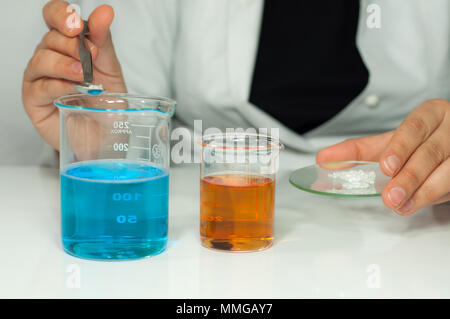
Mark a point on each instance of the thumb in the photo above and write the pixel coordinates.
(99, 34)
(99, 22)
(357, 149)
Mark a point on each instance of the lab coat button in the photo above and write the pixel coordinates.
(372, 101)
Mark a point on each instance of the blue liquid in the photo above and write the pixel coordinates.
(95, 92)
(114, 209)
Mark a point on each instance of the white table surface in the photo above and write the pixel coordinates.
(324, 248)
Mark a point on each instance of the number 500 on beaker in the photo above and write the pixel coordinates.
(114, 167)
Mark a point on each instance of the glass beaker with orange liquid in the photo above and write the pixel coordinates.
(237, 190)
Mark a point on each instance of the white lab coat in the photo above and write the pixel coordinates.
(202, 53)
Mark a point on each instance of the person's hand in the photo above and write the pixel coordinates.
(416, 155)
(55, 64)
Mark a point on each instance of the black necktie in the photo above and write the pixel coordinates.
(307, 67)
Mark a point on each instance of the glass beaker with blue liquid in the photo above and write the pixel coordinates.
(114, 167)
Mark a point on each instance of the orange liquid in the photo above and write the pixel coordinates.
(236, 212)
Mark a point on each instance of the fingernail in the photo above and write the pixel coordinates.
(73, 21)
(407, 206)
(392, 163)
(396, 195)
(76, 67)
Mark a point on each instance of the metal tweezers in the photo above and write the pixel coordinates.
(85, 57)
